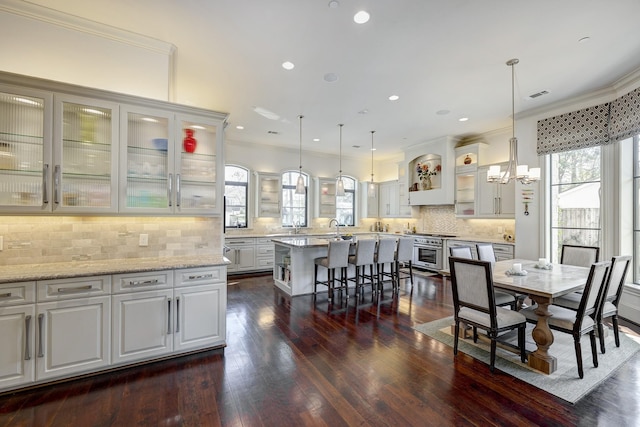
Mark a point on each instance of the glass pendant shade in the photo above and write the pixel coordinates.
(514, 170)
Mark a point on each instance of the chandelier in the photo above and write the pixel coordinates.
(514, 170)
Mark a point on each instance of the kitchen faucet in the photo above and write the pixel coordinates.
(337, 226)
(296, 227)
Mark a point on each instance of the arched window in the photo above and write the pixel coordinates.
(236, 185)
(345, 205)
(294, 206)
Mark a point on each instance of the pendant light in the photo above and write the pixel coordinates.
(514, 170)
(300, 188)
(339, 183)
(371, 192)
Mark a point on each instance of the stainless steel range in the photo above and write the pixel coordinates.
(427, 252)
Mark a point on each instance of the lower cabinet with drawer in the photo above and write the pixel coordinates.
(57, 329)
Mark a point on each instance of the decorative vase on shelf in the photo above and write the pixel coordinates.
(189, 141)
(467, 160)
(426, 183)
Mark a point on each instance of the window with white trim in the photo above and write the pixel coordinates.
(345, 205)
(294, 206)
(236, 185)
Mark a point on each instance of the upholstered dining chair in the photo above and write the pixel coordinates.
(337, 259)
(609, 306)
(583, 320)
(502, 298)
(404, 255)
(581, 256)
(486, 253)
(474, 304)
(363, 258)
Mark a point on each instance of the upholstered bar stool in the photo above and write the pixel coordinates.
(385, 254)
(404, 255)
(337, 258)
(363, 258)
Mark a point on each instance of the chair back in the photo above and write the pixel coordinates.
(338, 253)
(365, 250)
(461, 252)
(593, 293)
(485, 252)
(472, 286)
(617, 275)
(386, 251)
(581, 256)
(405, 249)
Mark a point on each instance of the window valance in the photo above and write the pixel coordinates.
(592, 126)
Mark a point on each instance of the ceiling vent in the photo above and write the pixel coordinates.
(273, 132)
(538, 94)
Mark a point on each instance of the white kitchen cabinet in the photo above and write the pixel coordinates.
(200, 299)
(268, 195)
(159, 175)
(17, 329)
(503, 251)
(264, 254)
(73, 336)
(368, 202)
(242, 254)
(326, 198)
(495, 200)
(389, 199)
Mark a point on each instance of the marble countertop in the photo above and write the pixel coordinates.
(311, 241)
(61, 270)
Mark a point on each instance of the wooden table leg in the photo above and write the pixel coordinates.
(543, 336)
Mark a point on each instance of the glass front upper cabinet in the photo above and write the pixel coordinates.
(85, 155)
(25, 150)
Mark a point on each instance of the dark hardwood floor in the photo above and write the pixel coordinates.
(290, 363)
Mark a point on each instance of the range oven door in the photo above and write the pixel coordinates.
(427, 257)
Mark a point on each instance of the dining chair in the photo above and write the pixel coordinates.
(474, 304)
(502, 298)
(583, 320)
(486, 253)
(404, 255)
(337, 258)
(363, 258)
(609, 306)
(581, 256)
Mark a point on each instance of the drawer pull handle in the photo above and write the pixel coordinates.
(177, 314)
(7, 295)
(27, 333)
(45, 183)
(169, 316)
(143, 282)
(201, 276)
(78, 289)
(40, 328)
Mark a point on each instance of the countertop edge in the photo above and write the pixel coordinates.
(65, 270)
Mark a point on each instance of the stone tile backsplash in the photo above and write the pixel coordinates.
(41, 239)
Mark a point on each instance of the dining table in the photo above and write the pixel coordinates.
(542, 285)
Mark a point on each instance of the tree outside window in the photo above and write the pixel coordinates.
(575, 199)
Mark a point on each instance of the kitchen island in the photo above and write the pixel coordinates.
(293, 270)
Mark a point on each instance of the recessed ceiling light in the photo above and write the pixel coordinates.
(361, 17)
(365, 111)
(584, 39)
(287, 65)
(333, 4)
(330, 77)
(240, 127)
(373, 149)
(463, 119)
(442, 112)
(316, 139)
(394, 98)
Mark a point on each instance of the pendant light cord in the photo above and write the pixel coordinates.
(300, 167)
(340, 149)
(372, 132)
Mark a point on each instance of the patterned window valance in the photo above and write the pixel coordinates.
(590, 127)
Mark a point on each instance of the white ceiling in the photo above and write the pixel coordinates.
(434, 54)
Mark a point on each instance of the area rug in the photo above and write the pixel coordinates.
(564, 382)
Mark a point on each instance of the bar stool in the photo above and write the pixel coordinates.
(404, 254)
(385, 254)
(337, 258)
(364, 256)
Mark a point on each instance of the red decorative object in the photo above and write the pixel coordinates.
(189, 142)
